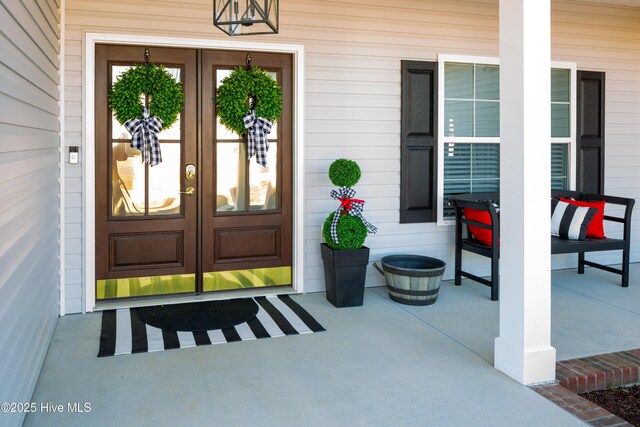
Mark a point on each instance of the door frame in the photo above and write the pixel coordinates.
(88, 130)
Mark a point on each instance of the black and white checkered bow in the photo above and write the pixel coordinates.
(353, 207)
(257, 142)
(144, 137)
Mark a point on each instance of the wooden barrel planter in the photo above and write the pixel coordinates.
(412, 279)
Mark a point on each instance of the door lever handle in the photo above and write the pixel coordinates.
(188, 191)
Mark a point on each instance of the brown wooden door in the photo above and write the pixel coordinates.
(234, 231)
(246, 209)
(145, 229)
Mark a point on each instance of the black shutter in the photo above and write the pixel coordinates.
(590, 137)
(418, 156)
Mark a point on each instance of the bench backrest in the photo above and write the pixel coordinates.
(627, 203)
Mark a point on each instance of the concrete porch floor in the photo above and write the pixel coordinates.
(380, 364)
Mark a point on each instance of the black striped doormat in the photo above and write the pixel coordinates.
(124, 333)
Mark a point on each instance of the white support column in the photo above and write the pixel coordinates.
(523, 349)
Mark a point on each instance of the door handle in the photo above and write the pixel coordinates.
(188, 191)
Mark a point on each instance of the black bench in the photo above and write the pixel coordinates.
(487, 202)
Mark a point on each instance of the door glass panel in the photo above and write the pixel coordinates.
(263, 181)
(221, 74)
(118, 131)
(172, 133)
(231, 168)
(223, 132)
(274, 126)
(129, 185)
(164, 182)
(116, 70)
(230, 177)
(128, 181)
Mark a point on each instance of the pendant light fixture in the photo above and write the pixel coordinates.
(245, 17)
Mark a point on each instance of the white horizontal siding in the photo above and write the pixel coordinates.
(29, 193)
(353, 50)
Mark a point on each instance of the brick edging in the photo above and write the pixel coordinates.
(599, 372)
(589, 374)
(585, 410)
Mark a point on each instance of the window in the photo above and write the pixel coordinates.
(561, 126)
(471, 100)
(470, 127)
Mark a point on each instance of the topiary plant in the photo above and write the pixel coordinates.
(346, 228)
(351, 232)
(344, 173)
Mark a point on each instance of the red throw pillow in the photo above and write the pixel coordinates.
(483, 235)
(596, 226)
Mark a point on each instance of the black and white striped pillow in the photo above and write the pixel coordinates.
(570, 221)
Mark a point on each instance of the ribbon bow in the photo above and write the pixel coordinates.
(257, 142)
(349, 206)
(144, 136)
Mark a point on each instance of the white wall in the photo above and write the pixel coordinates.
(29, 193)
(353, 51)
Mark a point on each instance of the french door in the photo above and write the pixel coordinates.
(207, 218)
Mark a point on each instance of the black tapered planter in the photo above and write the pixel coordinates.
(345, 272)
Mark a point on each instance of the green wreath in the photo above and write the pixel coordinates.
(235, 90)
(165, 94)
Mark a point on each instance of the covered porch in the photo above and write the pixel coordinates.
(380, 364)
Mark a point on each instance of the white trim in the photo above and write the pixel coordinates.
(62, 277)
(464, 59)
(467, 59)
(440, 158)
(88, 181)
(89, 153)
(574, 125)
(299, 104)
(475, 140)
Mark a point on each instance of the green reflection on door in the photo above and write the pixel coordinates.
(251, 278)
(145, 286)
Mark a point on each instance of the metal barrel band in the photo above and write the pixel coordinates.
(435, 271)
(414, 293)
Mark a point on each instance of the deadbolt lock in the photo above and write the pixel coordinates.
(190, 172)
